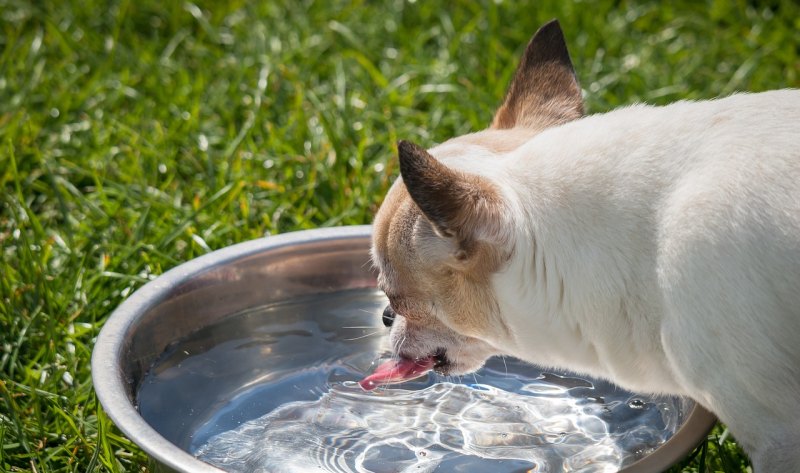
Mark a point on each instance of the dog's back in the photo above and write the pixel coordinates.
(729, 269)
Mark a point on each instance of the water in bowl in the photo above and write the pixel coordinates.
(274, 389)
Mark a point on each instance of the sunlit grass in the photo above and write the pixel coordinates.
(135, 135)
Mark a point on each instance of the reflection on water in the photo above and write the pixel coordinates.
(274, 390)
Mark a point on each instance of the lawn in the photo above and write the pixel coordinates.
(136, 135)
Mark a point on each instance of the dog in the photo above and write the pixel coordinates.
(656, 247)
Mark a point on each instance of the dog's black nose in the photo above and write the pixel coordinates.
(388, 316)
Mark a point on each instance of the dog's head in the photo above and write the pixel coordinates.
(444, 229)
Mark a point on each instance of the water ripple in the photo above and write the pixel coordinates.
(348, 430)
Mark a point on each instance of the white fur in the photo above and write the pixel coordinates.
(659, 247)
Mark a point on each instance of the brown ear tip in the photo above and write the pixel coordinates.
(551, 30)
(409, 151)
(552, 24)
(405, 146)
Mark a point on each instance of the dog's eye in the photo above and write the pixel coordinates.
(388, 316)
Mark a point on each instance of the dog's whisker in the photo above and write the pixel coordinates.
(398, 346)
(363, 336)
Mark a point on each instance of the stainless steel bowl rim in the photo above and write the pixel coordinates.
(110, 385)
(106, 375)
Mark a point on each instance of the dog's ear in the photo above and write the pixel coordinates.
(544, 91)
(463, 207)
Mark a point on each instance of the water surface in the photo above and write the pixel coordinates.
(274, 390)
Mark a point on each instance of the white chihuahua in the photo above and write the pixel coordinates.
(658, 247)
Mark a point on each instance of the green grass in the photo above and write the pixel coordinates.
(136, 135)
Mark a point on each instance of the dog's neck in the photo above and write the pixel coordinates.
(584, 223)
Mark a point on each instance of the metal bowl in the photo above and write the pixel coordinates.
(251, 274)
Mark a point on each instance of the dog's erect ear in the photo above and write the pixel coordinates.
(544, 91)
(461, 206)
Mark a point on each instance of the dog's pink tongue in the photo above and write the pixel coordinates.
(397, 371)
